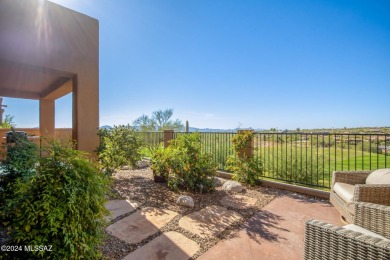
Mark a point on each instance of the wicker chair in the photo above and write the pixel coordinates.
(378, 193)
(326, 241)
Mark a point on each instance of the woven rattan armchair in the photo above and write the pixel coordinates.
(326, 241)
(373, 193)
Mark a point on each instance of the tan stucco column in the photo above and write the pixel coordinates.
(247, 152)
(86, 111)
(67, 60)
(47, 117)
(168, 136)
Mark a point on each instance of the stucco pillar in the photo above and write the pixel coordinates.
(86, 111)
(47, 117)
(168, 136)
(247, 152)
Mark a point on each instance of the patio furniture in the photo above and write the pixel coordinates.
(12, 136)
(367, 238)
(350, 187)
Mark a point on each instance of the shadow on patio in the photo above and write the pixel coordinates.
(275, 232)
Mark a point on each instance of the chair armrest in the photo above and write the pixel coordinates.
(319, 238)
(373, 217)
(350, 177)
(326, 241)
(372, 193)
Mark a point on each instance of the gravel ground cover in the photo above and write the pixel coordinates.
(138, 185)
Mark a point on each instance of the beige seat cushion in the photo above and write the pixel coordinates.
(344, 190)
(380, 176)
(364, 231)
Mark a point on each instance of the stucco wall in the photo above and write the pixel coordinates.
(41, 36)
(34, 136)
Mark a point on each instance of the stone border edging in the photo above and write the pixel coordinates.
(285, 186)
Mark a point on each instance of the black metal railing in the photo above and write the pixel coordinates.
(310, 159)
(151, 139)
(301, 158)
(217, 144)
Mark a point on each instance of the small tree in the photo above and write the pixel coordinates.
(159, 121)
(119, 146)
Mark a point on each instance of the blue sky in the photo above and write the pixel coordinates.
(223, 64)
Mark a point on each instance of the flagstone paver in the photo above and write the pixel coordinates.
(120, 207)
(169, 245)
(238, 201)
(210, 221)
(141, 224)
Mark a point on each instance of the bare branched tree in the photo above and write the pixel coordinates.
(159, 121)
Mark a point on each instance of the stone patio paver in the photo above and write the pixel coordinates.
(276, 232)
(238, 201)
(169, 245)
(210, 221)
(120, 207)
(143, 223)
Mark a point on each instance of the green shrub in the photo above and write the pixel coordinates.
(21, 157)
(190, 168)
(119, 146)
(245, 169)
(60, 205)
(184, 165)
(160, 161)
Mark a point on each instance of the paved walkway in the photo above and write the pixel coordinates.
(275, 232)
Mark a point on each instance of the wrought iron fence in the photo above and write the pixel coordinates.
(217, 144)
(151, 138)
(301, 158)
(310, 159)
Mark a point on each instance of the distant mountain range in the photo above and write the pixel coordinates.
(204, 130)
(195, 129)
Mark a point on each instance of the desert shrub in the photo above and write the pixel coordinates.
(21, 159)
(119, 146)
(60, 205)
(185, 165)
(245, 168)
(162, 161)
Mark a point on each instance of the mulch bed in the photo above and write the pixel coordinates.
(138, 185)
